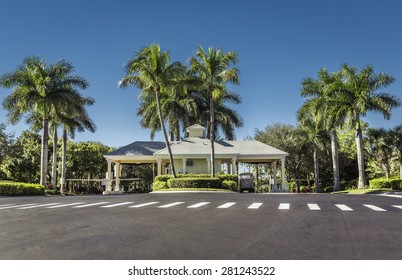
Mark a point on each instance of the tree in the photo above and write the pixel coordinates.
(396, 134)
(213, 70)
(359, 93)
(322, 102)
(151, 72)
(23, 159)
(380, 144)
(39, 89)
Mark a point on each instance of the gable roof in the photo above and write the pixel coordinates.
(139, 148)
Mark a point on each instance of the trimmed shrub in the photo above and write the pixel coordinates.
(228, 177)
(190, 175)
(194, 183)
(163, 178)
(230, 185)
(394, 184)
(159, 185)
(14, 188)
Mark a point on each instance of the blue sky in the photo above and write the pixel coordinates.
(279, 43)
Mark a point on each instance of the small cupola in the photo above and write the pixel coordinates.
(195, 130)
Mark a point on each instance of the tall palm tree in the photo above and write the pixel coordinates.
(361, 92)
(380, 145)
(77, 120)
(38, 88)
(213, 69)
(396, 133)
(150, 71)
(322, 103)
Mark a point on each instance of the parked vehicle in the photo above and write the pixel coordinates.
(246, 182)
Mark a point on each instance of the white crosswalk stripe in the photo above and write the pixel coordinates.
(15, 206)
(197, 205)
(117, 204)
(143, 204)
(284, 206)
(343, 207)
(4, 205)
(313, 206)
(254, 206)
(375, 208)
(397, 206)
(37, 206)
(170, 205)
(64, 205)
(89, 205)
(227, 205)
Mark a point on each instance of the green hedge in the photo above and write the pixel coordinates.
(395, 184)
(228, 177)
(194, 183)
(159, 186)
(163, 178)
(11, 188)
(230, 185)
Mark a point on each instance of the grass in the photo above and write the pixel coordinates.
(363, 191)
(193, 189)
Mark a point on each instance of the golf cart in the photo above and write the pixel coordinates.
(246, 182)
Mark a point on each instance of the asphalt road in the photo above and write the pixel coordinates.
(281, 226)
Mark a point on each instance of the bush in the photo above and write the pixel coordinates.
(230, 185)
(163, 178)
(228, 177)
(159, 185)
(394, 184)
(15, 188)
(194, 183)
(190, 175)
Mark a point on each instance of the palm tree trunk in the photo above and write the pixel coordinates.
(165, 133)
(177, 131)
(335, 160)
(63, 161)
(54, 163)
(44, 150)
(316, 174)
(360, 156)
(212, 134)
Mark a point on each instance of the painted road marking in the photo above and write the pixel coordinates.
(15, 206)
(284, 206)
(397, 206)
(36, 206)
(4, 205)
(254, 206)
(144, 204)
(117, 204)
(373, 207)
(343, 207)
(227, 205)
(313, 206)
(170, 205)
(64, 205)
(88, 205)
(198, 204)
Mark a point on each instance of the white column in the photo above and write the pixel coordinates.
(275, 185)
(234, 166)
(109, 176)
(283, 175)
(159, 162)
(184, 165)
(209, 165)
(117, 169)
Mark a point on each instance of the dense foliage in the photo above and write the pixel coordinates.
(15, 188)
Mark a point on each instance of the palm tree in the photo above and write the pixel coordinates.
(322, 103)
(38, 88)
(212, 69)
(380, 145)
(396, 133)
(76, 120)
(150, 71)
(360, 92)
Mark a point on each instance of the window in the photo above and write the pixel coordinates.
(190, 162)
